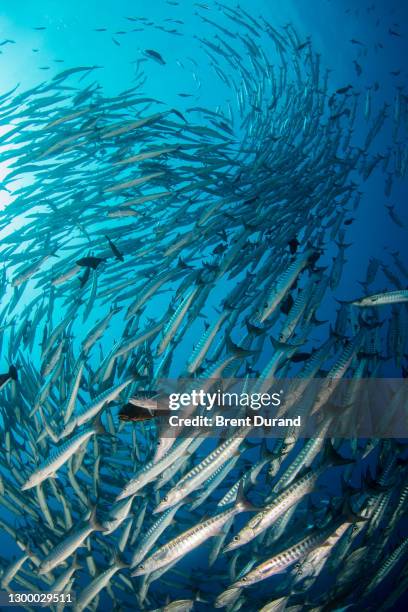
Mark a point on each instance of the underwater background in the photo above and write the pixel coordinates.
(275, 135)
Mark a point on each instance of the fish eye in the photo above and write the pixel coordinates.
(165, 498)
(236, 538)
(244, 579)
(141, 566)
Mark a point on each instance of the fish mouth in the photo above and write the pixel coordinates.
(230, 546)
(236, 544)
(122, 495)
(68, 429)
(242, 583)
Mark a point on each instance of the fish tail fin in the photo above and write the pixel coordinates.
(99, 426)
(94, 522)
(243, 503)
(334, 458)
(266, 454)
(316, 321)
(283, 346)
(364, 324)
(117, 559)
(199, 597)
(13, 372)
(238, 351)
(349, 514)
(76, 563)
(372, 487)
(343, 245)
(252, 328)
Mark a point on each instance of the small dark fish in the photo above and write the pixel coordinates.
(293, 245)
(298, 357)
(100, 29)
(358, 68)
(154, 55)
(176, 112)
(115, 250)
(130, 412)
(344, 90)
(393, 32)
(303, 45)
(90, 262)
(356, 42)
(348, 221)
(10, 375)
(116, 42)
(40, 28)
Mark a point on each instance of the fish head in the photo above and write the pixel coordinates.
(127, 491)
(110, 526)
(68, 429)
(141, 569)
(242, 537)
(137, 557)
(247, 580)
(30, 483)
(169, 500)
(163, 445)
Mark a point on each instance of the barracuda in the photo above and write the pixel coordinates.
(204, 343)
(61, 455)
(270, 513)
(69, 544)
(94, 407)
(88, 594)
(286, 558)
(383, 299)
(190, 539)
(171, 328)
(151, 536)
(283, 283)
(200, 473)
(151, 470)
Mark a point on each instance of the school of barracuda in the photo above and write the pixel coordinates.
(199, 236)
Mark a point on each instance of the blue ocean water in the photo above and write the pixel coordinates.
(69, 40)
